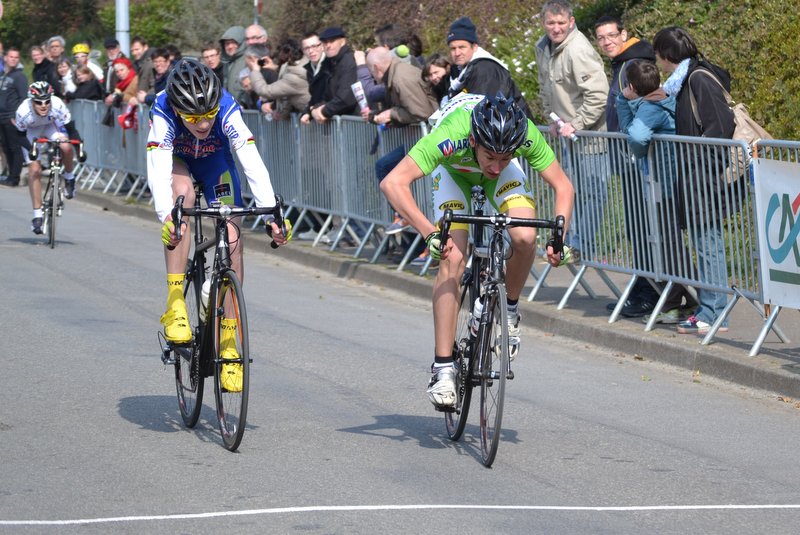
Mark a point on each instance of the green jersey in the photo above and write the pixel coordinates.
(448, 143)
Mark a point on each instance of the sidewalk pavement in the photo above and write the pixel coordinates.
(775, 369)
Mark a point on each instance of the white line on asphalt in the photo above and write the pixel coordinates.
(321, 508)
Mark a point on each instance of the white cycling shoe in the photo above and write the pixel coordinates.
(442, 388)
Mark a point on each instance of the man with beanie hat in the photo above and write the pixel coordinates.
(474, 70)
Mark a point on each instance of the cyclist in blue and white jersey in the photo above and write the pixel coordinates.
(44, 115)
(195, 127)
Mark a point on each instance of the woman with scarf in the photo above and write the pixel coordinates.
(702, 203)
(125, 90)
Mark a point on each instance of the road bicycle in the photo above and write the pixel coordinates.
(480, 349)
(51, 160)
(213, 292)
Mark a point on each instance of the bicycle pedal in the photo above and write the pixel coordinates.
(167, 358)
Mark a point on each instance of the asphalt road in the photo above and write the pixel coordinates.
(341, 438)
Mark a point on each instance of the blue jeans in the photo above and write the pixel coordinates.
(712, 269)
(389, 161)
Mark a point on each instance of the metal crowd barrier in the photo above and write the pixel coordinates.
(626, 218)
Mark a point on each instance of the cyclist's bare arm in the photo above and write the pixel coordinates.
(397, 189)
(565, 198)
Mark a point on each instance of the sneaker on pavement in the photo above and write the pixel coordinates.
(628, 303)
(692, 325)
(571, 256)
(36, 225)
(231, 376)
(638, 309)
(308, 235)
(329, 236)
(442, 388)
(420, 260)
(668, 317)
(69, 188)
(398, 225)
(176, 326)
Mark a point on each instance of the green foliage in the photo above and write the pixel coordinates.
(28, 22)
(187, 24)
(148, 19)
(515, 45)
(757, 42)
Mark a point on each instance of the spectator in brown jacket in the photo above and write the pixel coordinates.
(408, 98)
(290, 90)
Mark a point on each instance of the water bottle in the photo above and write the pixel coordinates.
(204, 292)
(475, 320)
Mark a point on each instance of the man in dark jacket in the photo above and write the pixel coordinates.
(474, 70)
(613, 41)
(13, 90)
(44, 70)
(339, 98)
(317, 72)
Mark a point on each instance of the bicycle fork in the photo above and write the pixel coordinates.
(490, 345)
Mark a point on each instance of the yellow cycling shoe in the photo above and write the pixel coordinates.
(176, 326)
(231, 376)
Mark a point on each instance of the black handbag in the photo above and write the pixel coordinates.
(108, 118)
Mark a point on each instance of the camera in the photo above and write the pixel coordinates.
(261, 62)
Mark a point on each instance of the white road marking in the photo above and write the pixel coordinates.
(322, 508)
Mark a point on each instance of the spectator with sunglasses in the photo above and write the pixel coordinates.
(196, 126)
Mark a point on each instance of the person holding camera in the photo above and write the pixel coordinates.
(288, 93)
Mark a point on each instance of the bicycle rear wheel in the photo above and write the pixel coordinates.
(494, 369)
(188, 367)
(232, 357)
(456, 420)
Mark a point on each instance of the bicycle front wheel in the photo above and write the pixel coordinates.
(189, 371)
(232, 362)
(494, 370)
(456, 420)
(52, 212)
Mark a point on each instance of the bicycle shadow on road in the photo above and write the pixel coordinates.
(428, 432)
(160, 414)
(40, 241)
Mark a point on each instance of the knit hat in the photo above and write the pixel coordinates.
(124, 61)
(462, 30)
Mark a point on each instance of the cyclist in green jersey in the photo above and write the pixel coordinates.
(476, 141)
